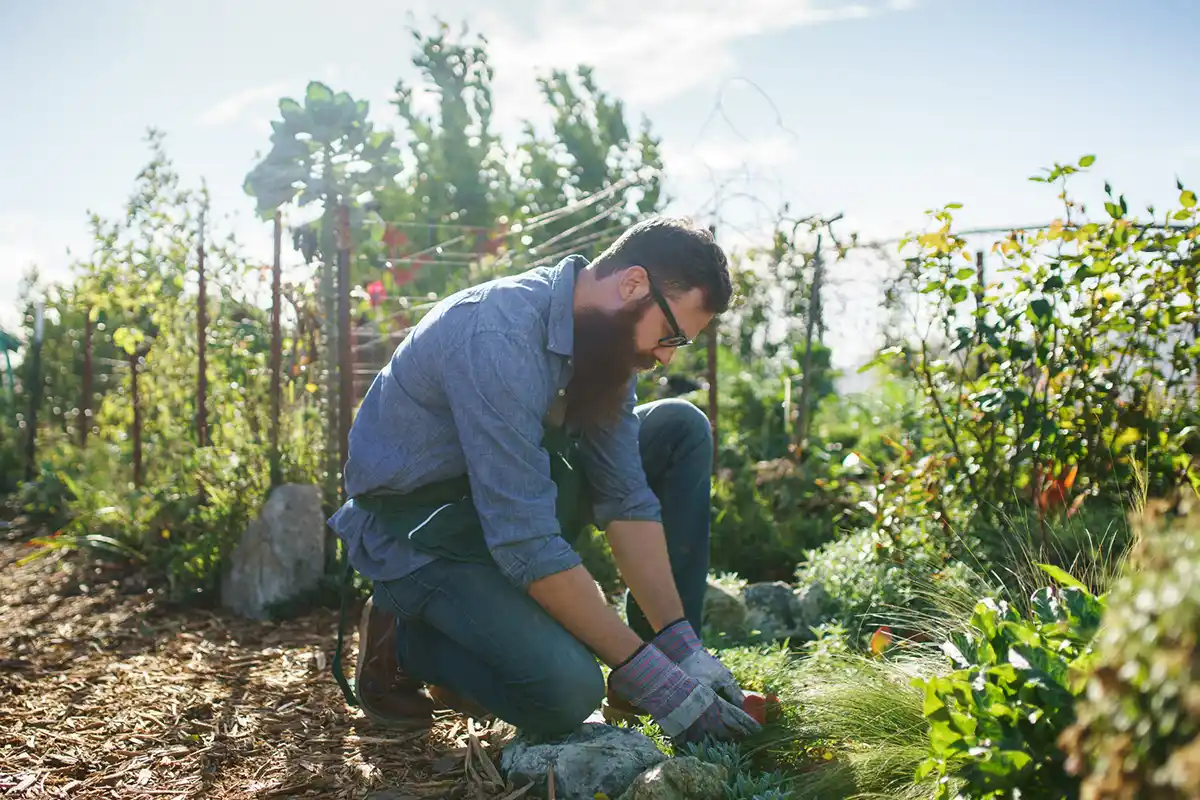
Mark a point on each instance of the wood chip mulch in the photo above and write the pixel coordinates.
(107, 693)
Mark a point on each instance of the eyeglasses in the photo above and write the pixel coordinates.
(679, 338)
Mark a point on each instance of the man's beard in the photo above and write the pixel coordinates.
(606, 361)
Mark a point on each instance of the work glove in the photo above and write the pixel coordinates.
(679, 642)
(686, 709)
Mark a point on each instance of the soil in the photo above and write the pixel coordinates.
(106, 692)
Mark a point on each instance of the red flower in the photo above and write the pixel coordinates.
(376, 292)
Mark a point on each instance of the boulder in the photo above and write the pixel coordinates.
(778, 611)
(724, 611)
(683, 778)
(773, 609)
(812, 603)
(281, 554)
(593, 758)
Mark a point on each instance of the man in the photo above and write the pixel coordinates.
(502, 426)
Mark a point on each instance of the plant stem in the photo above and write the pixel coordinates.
(950, 431)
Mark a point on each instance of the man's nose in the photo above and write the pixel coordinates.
(664, 354)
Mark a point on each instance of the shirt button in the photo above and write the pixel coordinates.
(562, 392)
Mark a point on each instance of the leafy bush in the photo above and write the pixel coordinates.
(147, 491)
(1072, 357)
(870, 581)
(995, 719)
(1138, 731)
(746, 537)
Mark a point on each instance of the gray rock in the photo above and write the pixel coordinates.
(773, 610)
(593, 758)
(778, 611)
(724, 612)
(683, 778)
(281, 554)
(812, 604)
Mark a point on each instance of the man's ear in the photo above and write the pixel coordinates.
(632, 284)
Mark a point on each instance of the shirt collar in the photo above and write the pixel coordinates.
(561, 326)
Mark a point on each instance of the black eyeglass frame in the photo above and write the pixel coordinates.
(679, 338)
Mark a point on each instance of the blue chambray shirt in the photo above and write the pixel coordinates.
(467, 392)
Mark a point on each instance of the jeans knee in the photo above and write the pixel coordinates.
(566, 697)
(689, 425)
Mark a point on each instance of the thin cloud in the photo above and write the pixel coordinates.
(726, 154)
(644, 52)
(231, 109)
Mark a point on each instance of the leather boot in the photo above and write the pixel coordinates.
(386, 695)
(448, 698)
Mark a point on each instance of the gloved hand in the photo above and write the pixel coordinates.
(683, 707)
(679, 642)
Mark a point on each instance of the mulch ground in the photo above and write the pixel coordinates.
(107, 693)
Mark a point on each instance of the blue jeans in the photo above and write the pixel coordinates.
(465, 627)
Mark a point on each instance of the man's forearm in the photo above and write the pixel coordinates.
(640, 550)
(571, 598)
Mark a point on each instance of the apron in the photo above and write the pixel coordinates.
(440, 519)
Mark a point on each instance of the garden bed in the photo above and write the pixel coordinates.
(107, 693)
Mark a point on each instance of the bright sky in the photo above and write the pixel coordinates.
(885, 107)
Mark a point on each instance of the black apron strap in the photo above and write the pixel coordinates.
(338, 673)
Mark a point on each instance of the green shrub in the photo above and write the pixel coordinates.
(995, 719)
(766, 515)
(1091, 545)
(1138, 731)
(870, 581)
(1072, 358)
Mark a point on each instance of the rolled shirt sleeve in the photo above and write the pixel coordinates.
(613, 463)
(495, 384)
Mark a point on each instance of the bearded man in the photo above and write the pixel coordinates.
(503, 426)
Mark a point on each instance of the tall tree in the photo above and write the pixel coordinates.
(458, 168)
(455, 190)
(592, 149)
(325, 151)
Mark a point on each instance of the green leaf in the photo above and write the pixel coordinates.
(958, 293)
(933, 703)
(1062, 576)
(291, 111)
(1046, 605)
(955, 655)
(318, 93)
(963, 723)
(1040, 308)
(1087, 161)
(942, 738)
(1187, 198)
(1126, 438)
(966, 273)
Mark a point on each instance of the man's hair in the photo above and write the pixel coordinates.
(678, 257)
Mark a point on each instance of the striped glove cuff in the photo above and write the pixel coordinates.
(651, 681)
(678, 640)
